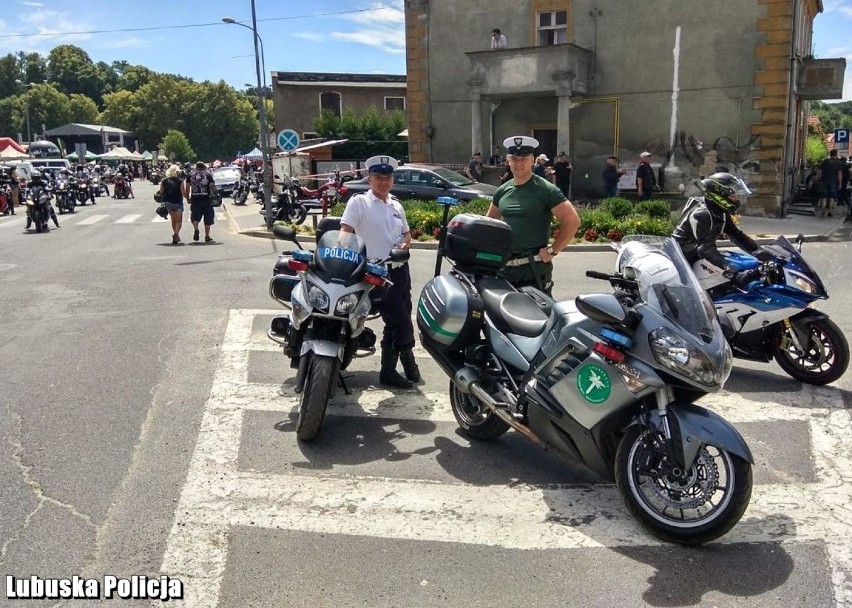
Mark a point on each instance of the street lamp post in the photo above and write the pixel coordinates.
(27, 106)
(264, 138)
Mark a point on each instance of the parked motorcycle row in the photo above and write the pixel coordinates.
(608, 379)
(295, 200)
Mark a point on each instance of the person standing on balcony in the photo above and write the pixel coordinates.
(498, 40)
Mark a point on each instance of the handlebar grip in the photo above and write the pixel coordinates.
(594, 274)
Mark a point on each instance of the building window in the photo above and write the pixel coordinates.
(395, 103)
(552, 28)
(330, 101)
(309, 135)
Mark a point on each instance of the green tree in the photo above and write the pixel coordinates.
(815, 150)
(134, 77)
(47, 107)
(121, 110)
(9, 73)
(176, 146)
(219, 121)
(10, 114)
(72, 71)
(83, 109)
(33, 66)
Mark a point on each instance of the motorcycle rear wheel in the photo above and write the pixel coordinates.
(475, 421)
(826, 357)
(697, 508)
(321, 376)
(240, 197)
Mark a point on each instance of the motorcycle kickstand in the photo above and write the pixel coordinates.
(342, 381)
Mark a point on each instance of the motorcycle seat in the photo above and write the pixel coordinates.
(513, 312)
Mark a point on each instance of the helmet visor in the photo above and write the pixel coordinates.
(739, 188)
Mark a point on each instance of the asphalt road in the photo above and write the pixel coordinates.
(146, 426)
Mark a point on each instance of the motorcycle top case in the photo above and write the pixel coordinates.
(283, 280)
(477, 243)
(449, 313)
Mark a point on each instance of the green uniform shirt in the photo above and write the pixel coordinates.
(527, 210)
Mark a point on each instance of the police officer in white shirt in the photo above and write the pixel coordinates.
(378, 218)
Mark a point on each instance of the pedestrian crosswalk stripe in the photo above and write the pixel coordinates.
(128, 219)
(92, 219)
(158, 219)
(218, 495)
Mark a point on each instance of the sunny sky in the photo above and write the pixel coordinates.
(189, 38)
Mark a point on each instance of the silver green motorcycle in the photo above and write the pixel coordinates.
(609, 379)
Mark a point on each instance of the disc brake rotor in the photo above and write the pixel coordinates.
(693, 490)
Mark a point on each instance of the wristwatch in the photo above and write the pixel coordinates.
(551, 251)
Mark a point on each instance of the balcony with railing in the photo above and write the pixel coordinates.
(561, 69)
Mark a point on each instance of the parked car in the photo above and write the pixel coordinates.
(426, 183)
(226, 179)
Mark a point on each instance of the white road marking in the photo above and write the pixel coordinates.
(157, 219)
(92, 219)
(128, 219)
(217, 495)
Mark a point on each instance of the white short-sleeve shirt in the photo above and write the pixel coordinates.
(381, 224)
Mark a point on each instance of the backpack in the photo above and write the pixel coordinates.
(199, 184)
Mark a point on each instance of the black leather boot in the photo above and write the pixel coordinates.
(409, 364)
(388, 374)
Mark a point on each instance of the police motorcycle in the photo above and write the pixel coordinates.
(769, 317)
(328, 293)
(608, 379)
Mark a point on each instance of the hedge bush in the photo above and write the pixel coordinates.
(611, 220)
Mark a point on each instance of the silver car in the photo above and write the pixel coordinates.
(226, 179)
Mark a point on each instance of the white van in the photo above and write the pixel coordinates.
(54, 164)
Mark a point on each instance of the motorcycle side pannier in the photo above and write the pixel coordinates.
(477, 243)
(449, 312)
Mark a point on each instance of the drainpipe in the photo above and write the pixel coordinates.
(791, 122)
(494, 106)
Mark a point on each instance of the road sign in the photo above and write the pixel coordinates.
(841, 136)
(288, 140)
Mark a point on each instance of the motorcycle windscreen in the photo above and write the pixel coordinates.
(667, 284)
(340, 258)
(784, 249)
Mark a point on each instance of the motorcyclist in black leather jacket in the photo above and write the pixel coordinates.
(706, 217)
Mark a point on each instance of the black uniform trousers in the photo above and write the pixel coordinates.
(393, 303)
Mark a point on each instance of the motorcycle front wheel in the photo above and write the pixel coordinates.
(240, 197)
(690, 509)
(474, 419)
(319, 381)
(296, 214)
(826, 355)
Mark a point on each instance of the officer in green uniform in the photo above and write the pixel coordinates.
(527, 202)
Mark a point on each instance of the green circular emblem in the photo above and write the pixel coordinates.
(594, 383)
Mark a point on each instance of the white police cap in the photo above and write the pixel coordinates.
(381, 164)
(520, 145)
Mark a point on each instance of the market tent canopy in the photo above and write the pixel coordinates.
(255, 154)
(8, 142)
(89, 155)
(10, 153)
(120, 154)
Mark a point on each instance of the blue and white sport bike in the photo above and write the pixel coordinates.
(771, 317)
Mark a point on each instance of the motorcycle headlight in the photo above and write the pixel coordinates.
(675, 353)
(318, 298)
(346, 304)
(805, 285)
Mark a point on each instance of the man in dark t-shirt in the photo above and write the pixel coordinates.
(562, 173)
(474, 168)
(645, 178)
(831, 177)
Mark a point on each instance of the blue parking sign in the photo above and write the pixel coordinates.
(841, 136)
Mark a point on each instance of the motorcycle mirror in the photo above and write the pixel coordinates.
(800, 239)
(285, 233)
(602, 307)
(399, 255)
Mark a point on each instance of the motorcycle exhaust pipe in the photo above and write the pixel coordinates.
(468, 382)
